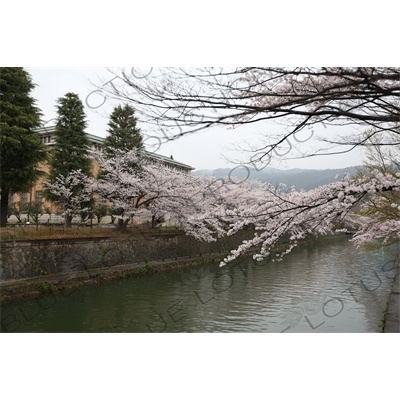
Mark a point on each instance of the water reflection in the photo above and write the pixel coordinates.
(332, 287)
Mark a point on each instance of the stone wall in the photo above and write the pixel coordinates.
(21, 260)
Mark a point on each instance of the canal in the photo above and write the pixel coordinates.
(326, 287)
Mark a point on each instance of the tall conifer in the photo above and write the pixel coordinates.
(71, 152)
(124, 133)
(21, 150)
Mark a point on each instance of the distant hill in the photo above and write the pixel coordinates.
(306, 179)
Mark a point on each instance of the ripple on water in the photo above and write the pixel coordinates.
(328, 286)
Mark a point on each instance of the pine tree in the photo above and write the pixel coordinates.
(21, 150)
(124, 136)
(123, 131)
(71, 152)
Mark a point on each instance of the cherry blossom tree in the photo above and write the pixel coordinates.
(152, 191)
(181, 101)
(382, 152)
(284, 217)
(383, 208)
(71, 193)
(208, 208)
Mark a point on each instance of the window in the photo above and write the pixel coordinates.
(24, 198)
(96, 147)
(39, 196)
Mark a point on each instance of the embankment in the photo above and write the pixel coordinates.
(34, 267)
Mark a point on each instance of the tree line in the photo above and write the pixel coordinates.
(23, 154)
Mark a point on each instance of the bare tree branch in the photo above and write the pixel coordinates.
(179, 102)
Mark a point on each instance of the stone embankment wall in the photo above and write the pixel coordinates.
(23, 260)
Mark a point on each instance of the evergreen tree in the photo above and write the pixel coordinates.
(71, 152)
(124, 136)
(21, 150)
(123, 131)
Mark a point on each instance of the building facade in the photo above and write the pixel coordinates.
(48, 137)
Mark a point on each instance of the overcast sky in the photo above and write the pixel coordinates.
(205, 150)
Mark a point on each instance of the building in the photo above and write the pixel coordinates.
(48, 137)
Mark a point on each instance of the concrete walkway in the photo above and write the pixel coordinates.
(393, 318)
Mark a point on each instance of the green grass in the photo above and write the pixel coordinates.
(45, 287)
(33, 232)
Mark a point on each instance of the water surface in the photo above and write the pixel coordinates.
(328, 287)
